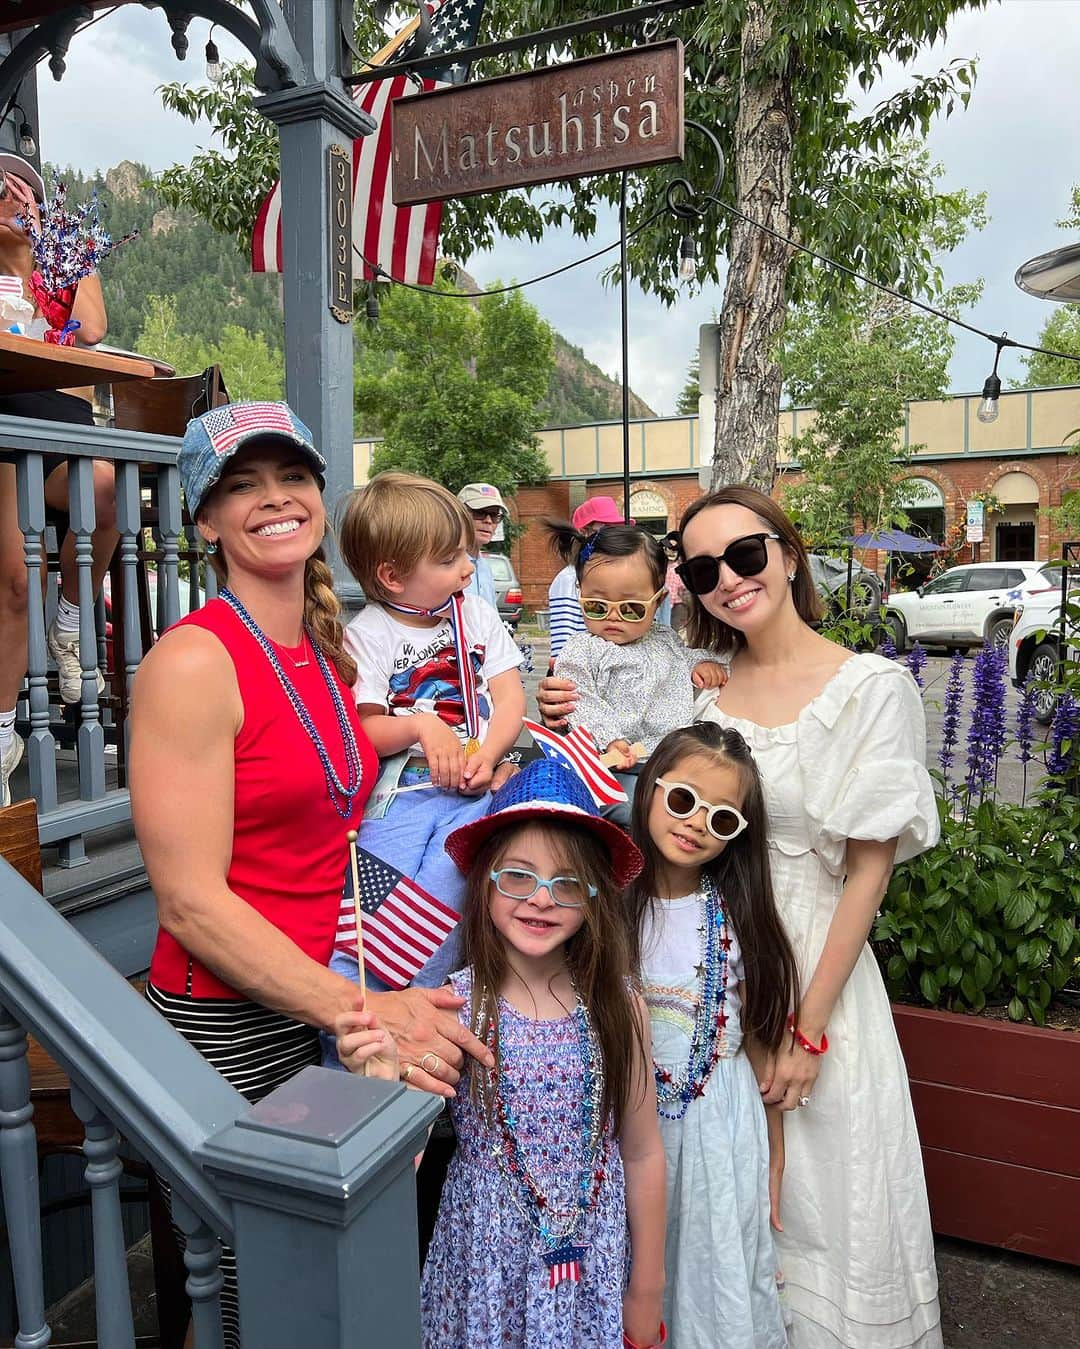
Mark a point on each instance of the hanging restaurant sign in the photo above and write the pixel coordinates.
(604, 113)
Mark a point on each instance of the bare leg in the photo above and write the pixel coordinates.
(103, 540)
(13, 592)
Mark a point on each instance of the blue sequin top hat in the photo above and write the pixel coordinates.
(545, 790)
(211, 440)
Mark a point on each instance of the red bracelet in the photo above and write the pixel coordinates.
(803, 1042)
(628, 1343)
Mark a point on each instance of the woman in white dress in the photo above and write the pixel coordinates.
(839, 742)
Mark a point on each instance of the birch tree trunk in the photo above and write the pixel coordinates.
(748, 377)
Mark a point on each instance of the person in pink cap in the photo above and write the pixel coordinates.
(563, 608)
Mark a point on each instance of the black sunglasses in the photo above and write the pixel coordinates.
(746, 557)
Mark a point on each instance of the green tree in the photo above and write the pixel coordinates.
(1061, 331)
(459, 388)
(772, 79)
(251, 368)
(856, 372)
(686, 405)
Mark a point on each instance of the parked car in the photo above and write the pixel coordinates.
(831, 578)
(1035, 641)
(507, 588)
(965, 606)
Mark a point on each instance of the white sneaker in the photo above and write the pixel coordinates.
(9, 761)
(65, 651)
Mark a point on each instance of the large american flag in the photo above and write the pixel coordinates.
(577, 751)
(226, 425)
(403, 925)
(402, 240)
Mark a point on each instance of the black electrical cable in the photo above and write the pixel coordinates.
(503, 290)
(999, 340)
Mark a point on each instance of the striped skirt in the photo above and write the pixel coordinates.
(252, 1047)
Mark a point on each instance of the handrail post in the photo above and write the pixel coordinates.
(320, 1175)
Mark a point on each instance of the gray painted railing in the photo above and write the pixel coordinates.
(65, 822)
(313, 1187)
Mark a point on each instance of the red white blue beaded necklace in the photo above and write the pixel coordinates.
(674, 1092)
(557, 1228)
(341, 794)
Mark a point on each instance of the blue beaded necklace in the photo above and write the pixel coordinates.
(561, 1252)
(341, 794)
(675, 1092)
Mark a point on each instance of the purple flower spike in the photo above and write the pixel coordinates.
(1064, 736)
(950, 714)
(1025, 716)
(987, 732)
(916, 660)
(888, 646)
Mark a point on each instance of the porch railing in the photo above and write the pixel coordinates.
(64, 818)
(313, 1187)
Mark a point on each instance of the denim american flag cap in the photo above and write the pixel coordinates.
(212, 439)
(543, 791)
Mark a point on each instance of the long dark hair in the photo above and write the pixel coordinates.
(705, 630)
(611, 541)
(597, 956)
(741, 875)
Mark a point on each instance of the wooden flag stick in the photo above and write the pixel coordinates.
(395, 44)
(355, 868)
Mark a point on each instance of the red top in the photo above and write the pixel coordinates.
(289, 853)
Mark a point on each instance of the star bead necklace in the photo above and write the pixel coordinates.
(674, 1092)
(341, 794)
(557, 1228)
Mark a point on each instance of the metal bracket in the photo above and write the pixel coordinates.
(622, 18)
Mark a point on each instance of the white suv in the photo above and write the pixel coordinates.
(1035, 642)
(965, 606)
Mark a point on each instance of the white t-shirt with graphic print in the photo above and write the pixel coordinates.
(409, 670)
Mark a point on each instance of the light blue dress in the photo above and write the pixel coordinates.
(719, 1258)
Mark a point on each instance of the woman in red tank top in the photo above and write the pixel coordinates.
(248, 766)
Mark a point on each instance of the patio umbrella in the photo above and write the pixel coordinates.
(1052, 276)
(893, 541)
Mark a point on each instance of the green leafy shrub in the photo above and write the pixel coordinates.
(992, 913)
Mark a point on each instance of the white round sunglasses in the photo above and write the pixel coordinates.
(681, 802)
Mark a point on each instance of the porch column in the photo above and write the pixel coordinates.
(320, 1177)
(318, 348)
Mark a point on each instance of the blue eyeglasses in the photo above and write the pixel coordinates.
(566, 891)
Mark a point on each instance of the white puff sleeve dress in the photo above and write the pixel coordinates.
(857, 1251)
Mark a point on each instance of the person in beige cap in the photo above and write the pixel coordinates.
(486, 506)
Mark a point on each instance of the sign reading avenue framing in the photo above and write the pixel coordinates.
(606, 112)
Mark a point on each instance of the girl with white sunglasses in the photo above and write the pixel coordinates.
(718, 975)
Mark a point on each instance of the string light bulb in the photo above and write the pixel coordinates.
(687, 258)
(988, 408)
(213, 59)
(27, 143)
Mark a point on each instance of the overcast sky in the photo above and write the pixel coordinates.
(1017, 141)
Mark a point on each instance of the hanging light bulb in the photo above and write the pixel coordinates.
(687, 258)
(213, 59)
(371, 304)
(27, 143)
(988, 409)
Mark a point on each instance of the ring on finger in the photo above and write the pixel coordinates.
(804, 1100)
(434, 1065)
(408, 1071)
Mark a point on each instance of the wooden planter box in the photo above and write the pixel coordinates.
(998, 1109)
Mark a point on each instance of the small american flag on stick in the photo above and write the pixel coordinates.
(226, 425)
(577, 751)
(403, 925)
